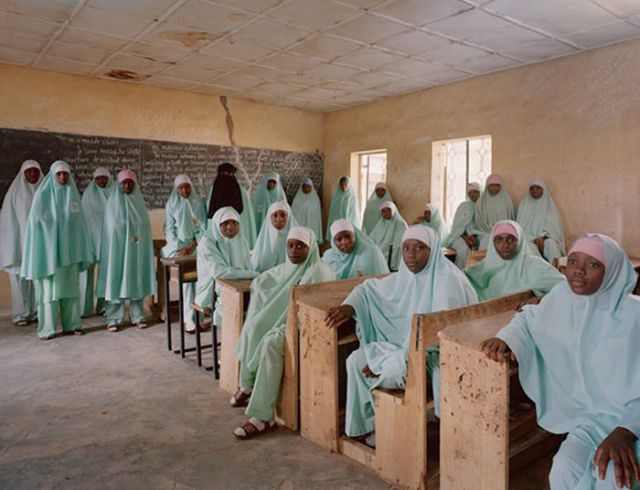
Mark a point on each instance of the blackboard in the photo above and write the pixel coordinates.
(156, 163)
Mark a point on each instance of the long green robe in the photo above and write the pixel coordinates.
(263, 197)
(56, 248)
(388, 232)
(365, 259)
(578, 361)
(13, 223)
(489, 210)
(493, 276)
(271, 246)
(540, 218)
(220, 257)
(307, 210)
(247, 218)
(260, 348)
(463, 223)
(344, 205)
(372, 210)
(384, 310)
(436, 223)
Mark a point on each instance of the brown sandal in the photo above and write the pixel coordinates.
(250, 430)
(240, 399)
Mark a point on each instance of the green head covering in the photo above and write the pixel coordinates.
(94, 200)
(233, 251)
(540, 217)
(463, 220)
(271, 246)
(577, 354)
(372, 210)
(263, 197)
(14, 216)
(185, 219)
(491, 209)
(344, 205)
(436, 223)
(270, 291)
(365, 259)
(494, 277)
(126, 255)
(57, 234)
(307, 209)
(389, 232)
(247, 218)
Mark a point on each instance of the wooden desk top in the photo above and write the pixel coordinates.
(239, 285)
(325, 295)
(186, 260)
(471, 333)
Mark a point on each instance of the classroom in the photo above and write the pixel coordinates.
(320, 244)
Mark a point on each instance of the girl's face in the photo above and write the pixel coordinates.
(536, 191)
(297, 251)
(102, 181)
(345, 241)
(229, 228)
(306, 188)
(494, 189)
(584, 273)
(271, 184)
(32, 175)
(184, 190)
(506, 245)
(474, 195)
(427, 215)
(386, 213)
(344, 184)
(127, 186)
(415, 255)
(62, 177)
(381, 192)
(279, 219)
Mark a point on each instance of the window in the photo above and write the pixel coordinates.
(454, 164)
(371, 169)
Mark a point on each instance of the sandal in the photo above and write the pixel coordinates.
(240, 399)
(205, 326)
(48, 337)
(22, 323)
(249, 429)
(78, 331)
(112, 328)
(141, 325)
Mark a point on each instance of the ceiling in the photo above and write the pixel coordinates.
(318, 55)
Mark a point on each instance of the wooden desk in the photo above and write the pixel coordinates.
(235, 301)
(483, 441)
(181, 270)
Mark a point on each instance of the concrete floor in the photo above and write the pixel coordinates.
(119, 411)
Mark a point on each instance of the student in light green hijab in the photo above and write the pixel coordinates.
(185, 223)
(261, 345)
(94, 201)
(387, 234)
(509, 266)
(13, 224)
(431, 218)
(127, 272)
(462, 236)
(371, 217)
(539, 217)
(306, 208)
(344, 205)
(223, 253)
(271, 246)
(494, 205)
(352, 253)
(56, 248)
(383, 310)
(269, 191)
(577, 354)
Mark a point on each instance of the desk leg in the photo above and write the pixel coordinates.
(181, 311)
(232, 320)
(167, 308)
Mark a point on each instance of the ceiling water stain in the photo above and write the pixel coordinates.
(190, 39)
(126, 75)
(237, 17)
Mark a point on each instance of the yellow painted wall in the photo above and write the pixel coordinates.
(51, 101)
(574, 122)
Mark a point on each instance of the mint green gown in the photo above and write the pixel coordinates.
(388, 233)
(365, 259)
(344, 205)
(489, 210)
(56, 248)
(263, 198)
(271, 245)
(247, 218)
(260, 347)
(307, 210)
(372, 210)
(463, 224)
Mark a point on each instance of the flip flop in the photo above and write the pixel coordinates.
(249, 430)
(240, 399)
(112, 328)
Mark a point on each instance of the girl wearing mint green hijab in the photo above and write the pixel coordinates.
(56, 249)
(371, 217)
(271, 246)
(306, 208)
(383, 310)
(539, 217)
(185, 223)
(269, 191)
(344, 205)
(126, 257)
(494, 205)
(260, 348)
(223, 253)
(352, 253)
(13, 224)
(462, 236)
(94, 200)
(577, 353)
(431, 218)
(509, 266)
(387, 234)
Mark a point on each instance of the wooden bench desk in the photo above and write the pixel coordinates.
(235, 301)
(484, 440)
